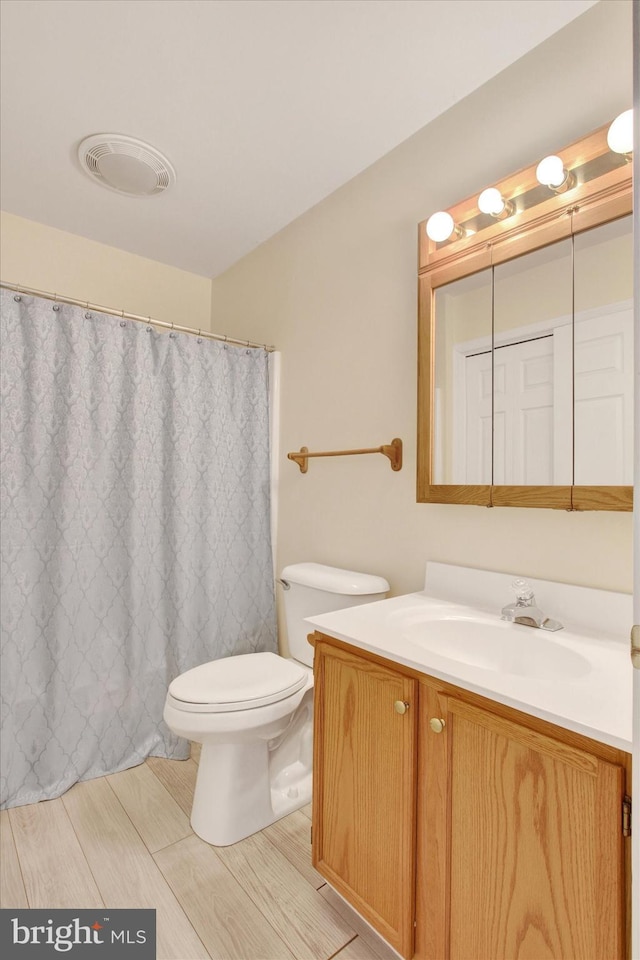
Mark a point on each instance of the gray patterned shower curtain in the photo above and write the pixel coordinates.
(135, 534)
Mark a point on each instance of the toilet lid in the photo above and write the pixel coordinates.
(238, 683)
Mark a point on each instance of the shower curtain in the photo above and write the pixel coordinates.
(135, 534)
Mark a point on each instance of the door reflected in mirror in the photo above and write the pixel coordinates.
(533, 368)
(603, 335)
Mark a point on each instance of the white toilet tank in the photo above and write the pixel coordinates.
(313, 588)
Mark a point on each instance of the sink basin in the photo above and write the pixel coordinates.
(496, 645)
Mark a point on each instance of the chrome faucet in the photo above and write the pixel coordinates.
(525, 609)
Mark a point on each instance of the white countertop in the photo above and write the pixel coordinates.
(594, 700)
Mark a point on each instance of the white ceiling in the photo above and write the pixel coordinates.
(264, 107)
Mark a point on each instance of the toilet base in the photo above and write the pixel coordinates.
(235, 795)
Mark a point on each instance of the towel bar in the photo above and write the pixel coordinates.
(391, 450)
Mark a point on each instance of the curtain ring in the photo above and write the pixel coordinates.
(171, 333)
(56, 305)
(199, 340)
(149, 328)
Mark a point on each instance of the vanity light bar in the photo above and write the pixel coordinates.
(551, 174)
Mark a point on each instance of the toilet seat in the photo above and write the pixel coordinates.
(237, 683)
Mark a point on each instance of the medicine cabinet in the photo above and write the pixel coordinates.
(525, 344)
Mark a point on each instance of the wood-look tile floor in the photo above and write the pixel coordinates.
(125, 841)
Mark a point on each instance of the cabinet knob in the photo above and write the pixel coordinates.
(437, 724)
(401, 706)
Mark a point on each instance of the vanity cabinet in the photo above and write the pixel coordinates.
(533, 865)
(364, 788)
(461, 828)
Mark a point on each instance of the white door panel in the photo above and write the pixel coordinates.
(604, 400)
(523, 438)
(473, 464)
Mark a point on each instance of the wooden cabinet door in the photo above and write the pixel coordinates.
(364, 789)
(535, 861)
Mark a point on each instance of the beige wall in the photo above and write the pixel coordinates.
(336, 291)
(51, 260)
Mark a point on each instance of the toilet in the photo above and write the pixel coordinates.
(253, 713)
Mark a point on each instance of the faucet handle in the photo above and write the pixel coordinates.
(524, 592)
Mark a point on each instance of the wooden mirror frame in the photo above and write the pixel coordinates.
(589, 204)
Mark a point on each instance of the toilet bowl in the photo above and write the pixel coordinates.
(253, 714)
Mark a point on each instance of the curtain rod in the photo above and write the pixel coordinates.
(18, 288)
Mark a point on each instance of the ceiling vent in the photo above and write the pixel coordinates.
(125, 165)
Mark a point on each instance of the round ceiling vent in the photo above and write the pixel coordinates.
(125, 164)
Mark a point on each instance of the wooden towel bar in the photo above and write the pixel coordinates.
(391, 450)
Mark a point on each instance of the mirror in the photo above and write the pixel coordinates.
(463, 381)
(603, 354)
(532, 368)
(526, 355)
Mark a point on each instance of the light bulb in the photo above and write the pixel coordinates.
(440, 226)
(620, 135)
(492, 202)
(550, 172)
